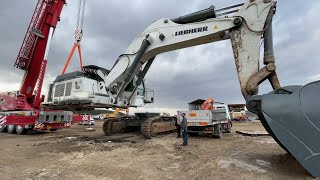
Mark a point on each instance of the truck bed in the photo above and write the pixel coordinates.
(204, 117)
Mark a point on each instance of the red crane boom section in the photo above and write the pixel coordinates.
(31, 54)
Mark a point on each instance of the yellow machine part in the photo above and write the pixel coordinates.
(115, 113)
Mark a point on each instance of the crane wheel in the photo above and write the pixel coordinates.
(11, 129)
(20, 129)
(3, 128)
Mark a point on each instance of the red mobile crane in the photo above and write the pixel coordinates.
(20, 110)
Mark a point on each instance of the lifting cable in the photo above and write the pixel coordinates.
(77, 35)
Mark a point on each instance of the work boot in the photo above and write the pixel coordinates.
(178, 136)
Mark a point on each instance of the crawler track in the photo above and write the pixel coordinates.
(149, 128)
(146, 127)
(107, 126)
(157, 125)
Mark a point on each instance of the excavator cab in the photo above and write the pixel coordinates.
(291, 116)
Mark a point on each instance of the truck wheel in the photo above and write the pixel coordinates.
(20, 129)
(228, 128)
(3, 128)
(11, 128)
(217, 131)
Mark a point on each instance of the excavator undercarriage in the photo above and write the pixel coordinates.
(149, 124)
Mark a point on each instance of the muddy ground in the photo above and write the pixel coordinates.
(74, 154)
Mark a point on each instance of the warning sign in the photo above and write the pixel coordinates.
(192, 114)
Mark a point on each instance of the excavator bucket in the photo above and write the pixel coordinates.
(291, 115)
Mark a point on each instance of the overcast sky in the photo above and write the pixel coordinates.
(177, 77)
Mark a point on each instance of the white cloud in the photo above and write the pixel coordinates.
(315, 77)
(10, 81)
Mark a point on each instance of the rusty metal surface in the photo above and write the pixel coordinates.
(246, 58)
(112, 126)
(256, 79)
(274, 81)
(159, 127)
(149, 128)
(235, 36)
(267, 72)
(246, 39)
(156, 125)
(118, 126)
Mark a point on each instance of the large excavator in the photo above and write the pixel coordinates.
(289, 113)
